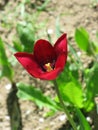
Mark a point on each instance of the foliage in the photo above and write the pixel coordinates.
(27, 92)
(27, 36)
(78, 92)
(82, 38)
(84, 125)
(6, 69)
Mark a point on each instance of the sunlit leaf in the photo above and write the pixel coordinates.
(6, 69)
(64, 76)
(84, 125)
(26, 35)
(17, 46)
(82, 38)
(28, 92)
(91, 87)
(72, 92)
(67, 75)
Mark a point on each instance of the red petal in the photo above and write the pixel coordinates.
(59, 66)
(61, 60)
(50, 75)
(61, 45)
(43, 52)
(29, 63)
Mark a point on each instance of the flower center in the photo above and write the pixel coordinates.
(48, 67)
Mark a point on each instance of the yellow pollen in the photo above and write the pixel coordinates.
(48, 67)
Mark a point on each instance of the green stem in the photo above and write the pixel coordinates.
(64, 106)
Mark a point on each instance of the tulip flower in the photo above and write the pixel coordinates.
(47, 61)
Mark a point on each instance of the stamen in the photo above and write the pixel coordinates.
(48, 67)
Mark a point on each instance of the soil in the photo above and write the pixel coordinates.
(73, 14)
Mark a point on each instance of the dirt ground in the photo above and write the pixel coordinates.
(73, 14)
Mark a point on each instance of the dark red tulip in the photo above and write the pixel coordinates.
(47, 61)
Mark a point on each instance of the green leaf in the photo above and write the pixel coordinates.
(95, 44)
(72, 93)
(27, 36)
(28, 92)
(64, 77)
(82, 38)
(7, 70)
(91, 87)
(17, 46)
(84, 125)
(67, 75)
(70, 87)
